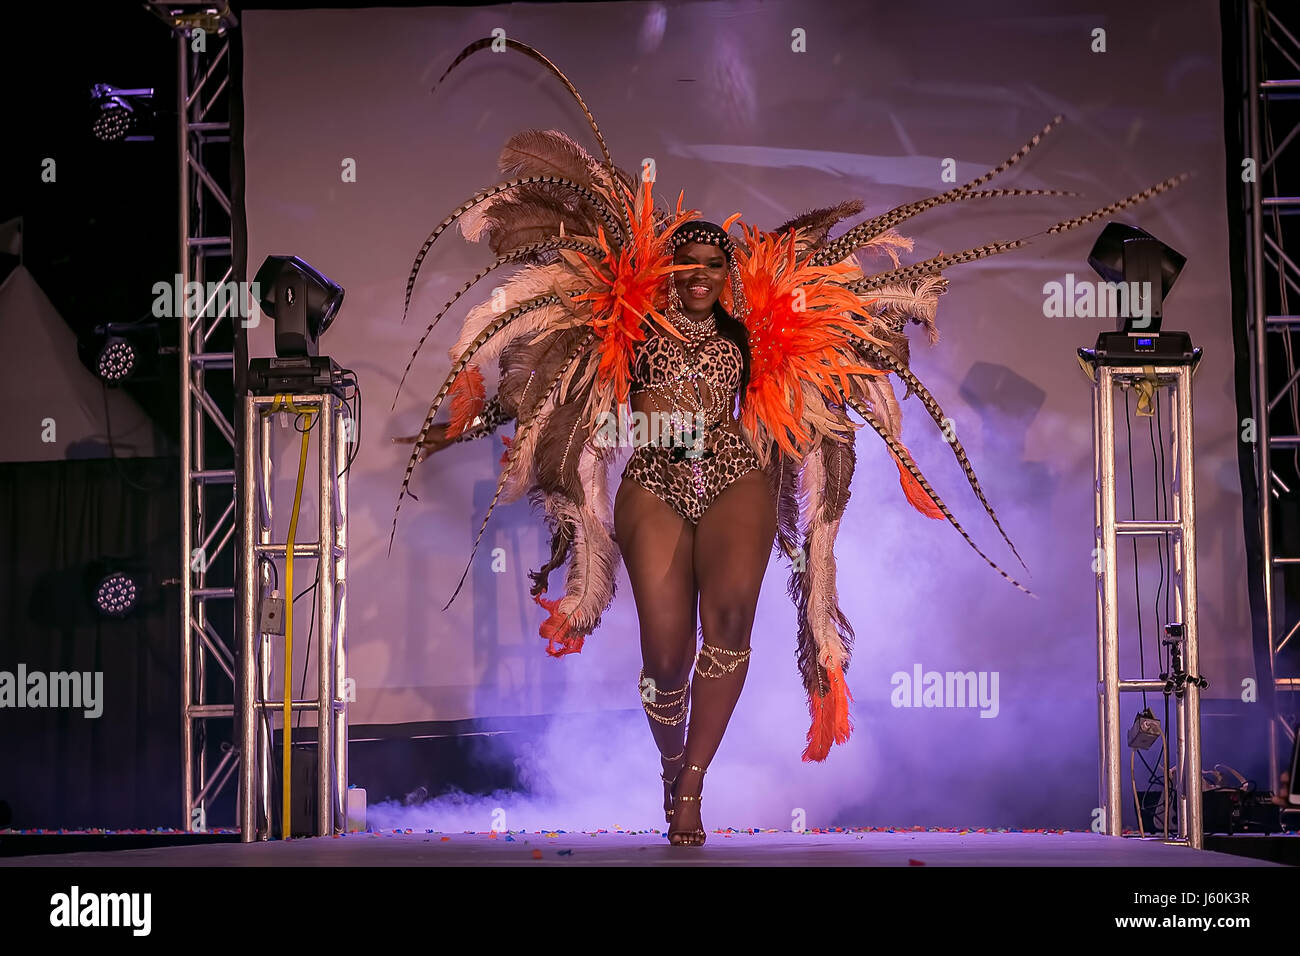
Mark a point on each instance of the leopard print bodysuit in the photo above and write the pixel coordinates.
(688, 460)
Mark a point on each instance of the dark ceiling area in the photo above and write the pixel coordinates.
(98, 236)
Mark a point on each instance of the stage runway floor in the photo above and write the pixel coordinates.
(632, 848)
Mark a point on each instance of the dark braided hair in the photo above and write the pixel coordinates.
(708, 233)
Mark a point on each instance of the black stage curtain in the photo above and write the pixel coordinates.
(59, 767)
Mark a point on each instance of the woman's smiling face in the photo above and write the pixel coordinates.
(700, 287)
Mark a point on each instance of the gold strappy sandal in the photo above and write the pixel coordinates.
(710, 662)
(698, 833)
(674, 705)
(668, 811)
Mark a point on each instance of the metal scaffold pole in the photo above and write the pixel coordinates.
(257, 705)
(1181, 632)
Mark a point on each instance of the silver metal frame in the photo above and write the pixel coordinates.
(207, 494)
(1269, 263)
(331, 422)
(1106, 378)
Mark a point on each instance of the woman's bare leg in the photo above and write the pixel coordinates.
(657, 546)
(733, 541)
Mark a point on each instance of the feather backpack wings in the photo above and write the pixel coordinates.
(591, 255)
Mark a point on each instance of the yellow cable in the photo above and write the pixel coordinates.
(1146, 389)
(285, 817)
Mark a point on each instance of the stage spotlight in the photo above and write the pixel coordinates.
(1140, 270)
(302, 303)
(118, 352)
(112, 123)
(117, 360)
(121, 115)
(300, 300)
(116, 595)
(118, 587)
(1135, 257)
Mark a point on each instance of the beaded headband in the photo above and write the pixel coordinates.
(703, 232)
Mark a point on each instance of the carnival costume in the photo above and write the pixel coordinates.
(587, 317)
(693, 456)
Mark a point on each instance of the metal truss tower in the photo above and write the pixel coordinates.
(203, 32)
(1271, 88)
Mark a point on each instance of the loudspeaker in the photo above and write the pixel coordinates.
(302, 794)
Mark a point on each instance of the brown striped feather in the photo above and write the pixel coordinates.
(479, 197)
(931, 405)
(902, 455)
(855, 237)
(518, 254)
(512, 461)
(537, 56)
(456, 368)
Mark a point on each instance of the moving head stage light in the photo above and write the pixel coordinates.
(1144, 269)
(303, 304)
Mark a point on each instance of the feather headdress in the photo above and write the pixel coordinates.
(592, 254)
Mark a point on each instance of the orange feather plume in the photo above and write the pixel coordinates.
(830, 717)
(917, 496)
(631, 282)
(801, 327)
(468, 396)
(560, 637)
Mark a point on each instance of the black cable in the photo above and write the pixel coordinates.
(297, 419)
(1132, 512)
(1161, 514)
(1166, 494)
(1156, 433)
(112, 450)
(1152, 775)
(311, 623)
(356, 383)
(355, 411)
(1166, 776)
(1150, 769)
(355, 414)
(270, 739)
(275, 572)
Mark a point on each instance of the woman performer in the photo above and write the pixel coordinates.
(619, 303)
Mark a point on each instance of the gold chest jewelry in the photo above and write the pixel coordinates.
(691, 412)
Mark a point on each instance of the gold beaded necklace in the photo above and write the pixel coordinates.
(689, 408)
